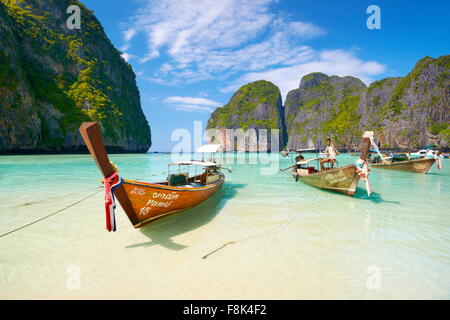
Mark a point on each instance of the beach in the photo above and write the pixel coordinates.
(279, 239)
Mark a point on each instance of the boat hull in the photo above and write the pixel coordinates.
(145, 202)
(151, 201)
(343, 180)
(418, 166)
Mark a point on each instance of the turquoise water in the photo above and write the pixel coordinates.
(290, 240)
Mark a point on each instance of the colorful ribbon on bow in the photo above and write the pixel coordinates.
(438, 160)
(362, 169)
(109, 185)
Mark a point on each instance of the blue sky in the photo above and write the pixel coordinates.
(190, 56)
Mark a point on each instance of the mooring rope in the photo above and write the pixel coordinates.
(259, 235)
(51, 214)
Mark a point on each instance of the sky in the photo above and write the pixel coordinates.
(190, 56)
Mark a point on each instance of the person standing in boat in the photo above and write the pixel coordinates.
(330, 155)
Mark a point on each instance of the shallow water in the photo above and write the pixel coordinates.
(291, 240)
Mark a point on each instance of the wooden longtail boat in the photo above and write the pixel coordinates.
(343, 179)
(417, 165)
(146, 202)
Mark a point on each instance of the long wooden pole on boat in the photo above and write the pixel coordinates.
(92, 136)
(365, 144)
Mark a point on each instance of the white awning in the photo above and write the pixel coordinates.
(307, 149)
(306, 161)
(209, 148)
(196, 163)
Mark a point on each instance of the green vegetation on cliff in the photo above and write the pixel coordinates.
(256, 105)
(68, 76)
(323, 107)
(344, 120)
(404, 112)
(241, 111)
(412, 110)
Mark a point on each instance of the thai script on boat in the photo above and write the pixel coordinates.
(165, 196)
(335, 177)
(138, 191)
(154, 204)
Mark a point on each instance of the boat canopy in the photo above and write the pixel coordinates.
(209, 148)
(307, 149)
(196, 163)
(306, 161)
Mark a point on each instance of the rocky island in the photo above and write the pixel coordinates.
(256, 105)
(53, 78)
(405, 112)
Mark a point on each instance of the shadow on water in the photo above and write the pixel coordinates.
(439, 174)
(162, 231)
(361, 194)
(374, 197)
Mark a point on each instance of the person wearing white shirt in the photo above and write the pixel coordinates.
(330, 155)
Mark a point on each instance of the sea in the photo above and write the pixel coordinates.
(262, 236)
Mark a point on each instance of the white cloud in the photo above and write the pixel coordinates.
(192, 104)
(125, 47)
(193, 108)
(127, 56)
(190, 100)
(204, 39)
(150, 56)
(129, 34)
(305, 29)
(331, 62)
(165, 68)
(194, 40)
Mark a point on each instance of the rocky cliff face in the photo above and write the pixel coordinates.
(413, 110)
(406, 112)
(320, 107)
(256, 105)
(53, 78)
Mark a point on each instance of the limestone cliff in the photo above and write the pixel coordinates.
(323, 106)
(405, 112)
(256, 105)
(53, 78)
(411, 111)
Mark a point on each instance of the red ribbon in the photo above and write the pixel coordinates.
(362, 169)
(109, 184)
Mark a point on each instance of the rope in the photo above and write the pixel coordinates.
(48, 199)
(372, 142)
(259, 235)
(152, 175)
(51, 214)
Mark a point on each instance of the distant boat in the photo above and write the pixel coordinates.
(414, 165)
(419, 162)
(343, 180)
(312, 150)
(424, 153)
(146, 202)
